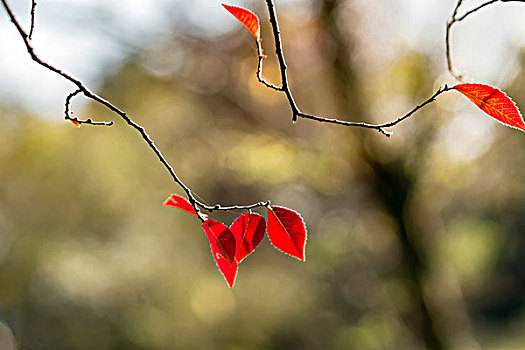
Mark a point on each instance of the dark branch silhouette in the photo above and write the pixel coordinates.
(32, 26)
(454, 18)
(74, 119)
(285, 88)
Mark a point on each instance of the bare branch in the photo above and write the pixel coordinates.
(454, 18)
(234, 207)
(259, 68)
(450, 23)
(88, 121)
(468, 13)
(81, 88)
(296, 112)
(75, 120)
(282, 62)
(33, 8)
(68, 101)
(379, 127)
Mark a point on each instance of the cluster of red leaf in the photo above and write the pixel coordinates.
(285, 227)
(231, 245)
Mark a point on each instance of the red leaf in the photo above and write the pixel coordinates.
(222, 244)
(75, 123)
(494, 102)
(287, 231)
(248, 230)
(247, 18)
(181, 203)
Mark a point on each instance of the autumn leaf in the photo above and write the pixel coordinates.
(287, 231)
(74, 122)
(223, 246)
(494, 102)
(248, 230)
(181, 203)
(247, 18)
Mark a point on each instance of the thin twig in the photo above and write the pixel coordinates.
(88, 121)
(454, 18)
(81, 88)
(379, 127)
(259, 68)
(74, 119)
(282, 62)
(450, 23)
(296, 112)
(33, 9)
(68, 102)
(234, 207)
(475, 9)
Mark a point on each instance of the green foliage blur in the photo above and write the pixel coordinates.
(416, 241)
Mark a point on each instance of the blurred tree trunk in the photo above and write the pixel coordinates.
(391, 183)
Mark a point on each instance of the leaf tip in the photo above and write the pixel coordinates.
(223, 247)
(247, 19)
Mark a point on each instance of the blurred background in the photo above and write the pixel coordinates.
(415, 242)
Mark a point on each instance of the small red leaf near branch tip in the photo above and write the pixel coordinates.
(75, 123)
(248, 230)
(181, 203)
(287, 231)
(494, 102)
(247, 18)
(223, 246)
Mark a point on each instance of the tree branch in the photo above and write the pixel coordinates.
(282, 62)
(379, 127)
(33, 9)
(296, 112)
(454, 19)
(233, 207)
(81, 88)
(74, 119)
(259, 68)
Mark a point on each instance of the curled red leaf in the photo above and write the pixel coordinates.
(494, 102)
(287, 231)
(248, 230)
(247, 18)
(181, 203)
(223, 246)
